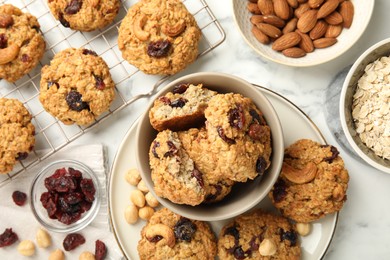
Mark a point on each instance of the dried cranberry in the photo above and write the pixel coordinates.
(198, 176)
(221, 134)
(3, 41)
(69, 217)
(99, 83)
(73, 197)
(88, 189)
(256, 118)
(59, 173)
(75, 173)
(25, 58)
(257, 132)
(155, 239)
(51, 208)
(290, 236)
(237, 117)
(89, 52)
(8, 237)
(239, 253)
(19, 197)
(100, 250)
(180, 102)
(261, 165)
(63, 21)
(180, 89)
(253, 244)
(66, 207)
(213, 196)
(184, 229)
(172, 149)
(65, 184)
(165, 100)
(155, 145)
(72, 241)
(85, 206)
(159, 48)
(279, 192)
(73, 7)
(74, 101)
(21, 156)
(334, 155)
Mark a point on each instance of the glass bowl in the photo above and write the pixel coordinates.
(38, 187)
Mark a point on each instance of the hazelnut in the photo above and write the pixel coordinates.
(57, 255)
(151, 200)
(146, 212)
(142, 187)
(133, 177)
(303, 229)
(43, 238)
(86, 256)
(138, 198)
(26, 248)
(131, 214)
(267, 247)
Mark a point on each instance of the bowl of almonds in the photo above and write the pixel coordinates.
(365, 106)
(301, 33)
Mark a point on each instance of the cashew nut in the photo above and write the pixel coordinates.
(300, 176)
(57, 255)
(9, 54)
(6, 20)
(303, 229)
(133, 177)
(138, 28)
(161, 230)
(174, 30)
(267, 247)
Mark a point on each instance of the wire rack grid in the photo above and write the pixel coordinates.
(131, 84)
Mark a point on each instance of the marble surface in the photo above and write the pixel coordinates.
(363, 230)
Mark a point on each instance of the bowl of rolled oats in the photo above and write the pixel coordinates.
(365, 106)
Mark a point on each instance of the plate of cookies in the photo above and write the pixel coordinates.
(295, 220)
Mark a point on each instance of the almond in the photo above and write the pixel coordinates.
(324, 42)
(302, 1)
(315, 3)
(286, 41)
(294, 52)
(290, 26)
(347, 12)
(306, 43)
(293, 3)
(333, 31)
(253, 1)
(302, 8)
(274, 20)
(269, 30)
(282, 9)
(319, 30)
(253, 8)
(307, 21)
(260, 36)
(327, 8)
(334, 18)
(256, 19)
(266, 6)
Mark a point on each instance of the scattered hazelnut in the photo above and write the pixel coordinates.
(26, 248)
(131, 214)
(43, 238)
(133, 177)
(142, 187)
(86, 256)
(303, 229)
(146, 212)
(151, 200)
(267, 247)
(138, 198)
(57, 255)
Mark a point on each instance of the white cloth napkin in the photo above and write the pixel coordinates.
(24, 224)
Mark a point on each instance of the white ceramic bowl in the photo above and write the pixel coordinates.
(376, 51)
(348, 37)
(244, 195)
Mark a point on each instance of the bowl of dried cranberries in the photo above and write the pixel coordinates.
(65, 196)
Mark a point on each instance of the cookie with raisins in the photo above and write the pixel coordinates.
(170, 236)
(21, 43)
(76, 87)
(259, 235)
(313, 182)
(159, 36)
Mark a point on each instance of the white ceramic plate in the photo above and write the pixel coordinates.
(348, 37)
(314, 245)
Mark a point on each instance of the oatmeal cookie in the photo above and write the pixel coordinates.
(313, 182)
(180, 109)
(16, 133)
(173, 172)
(159, 36)
(259, 235)
(84, 15)
(76, 87)
(170, 236)
(21, 43)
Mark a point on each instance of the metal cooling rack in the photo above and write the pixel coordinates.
(131, 84)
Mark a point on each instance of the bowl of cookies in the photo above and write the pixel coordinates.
(210, 146)
(301, 33)
(364, 106)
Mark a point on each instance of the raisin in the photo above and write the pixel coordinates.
(3, 41)
(198, 176)
(155, 145)
(88, 189)
(100, 250)
(8, 237)
(155, 239)
(180, 102)
(184, 229)
(25, 58)
(335, 153)
(180, 89)
(232, 231)
(261, 165)
(99, 83)
(21, 156)
(74, 101)
(159, 48)
(73, 7)
(19, 197)
(221, 134)
(72, 241)
(89, 52)
(279, 192)
(172, 149)
(63, 21)
(237, 117)
(290, 236)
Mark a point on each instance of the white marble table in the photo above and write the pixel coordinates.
(363, 230)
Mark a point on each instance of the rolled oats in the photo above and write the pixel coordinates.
(371, 107)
